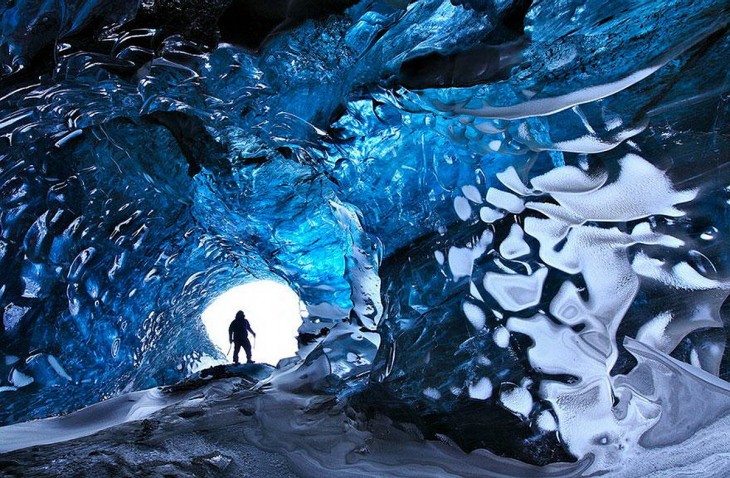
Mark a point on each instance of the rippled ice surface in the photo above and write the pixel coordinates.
(512, 216)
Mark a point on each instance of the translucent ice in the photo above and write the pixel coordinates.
(510, 217)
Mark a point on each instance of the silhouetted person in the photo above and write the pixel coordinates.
(238, 335)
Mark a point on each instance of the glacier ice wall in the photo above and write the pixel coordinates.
(511, 215)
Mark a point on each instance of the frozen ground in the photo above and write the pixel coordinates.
(223, 427)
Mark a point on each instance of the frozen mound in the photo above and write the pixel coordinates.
(222, 427)
(512, 216)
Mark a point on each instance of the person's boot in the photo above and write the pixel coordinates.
(249, 361)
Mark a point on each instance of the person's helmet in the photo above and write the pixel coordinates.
(240, 315)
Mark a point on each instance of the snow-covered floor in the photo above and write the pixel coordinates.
(125, 408)
(224, 428)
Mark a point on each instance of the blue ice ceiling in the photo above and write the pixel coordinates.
(504, 211)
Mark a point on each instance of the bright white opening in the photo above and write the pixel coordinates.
(271, 307)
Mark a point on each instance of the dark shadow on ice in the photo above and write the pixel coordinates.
(251, 23)
(250, 373)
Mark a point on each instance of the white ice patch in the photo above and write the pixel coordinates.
(504, 200)
(481, 390)
(568, 179)
(487, 126)
(483, 360)
(600, 255)
(462, 208)
(326, 311)
(472, 194)
(475, 292)
(653, 332)
(501, 337)
(694, 358)
(475, 314)
(13, 316)
(516, 292)
(19, 379)
(439, 257)
(558, 350)
(514, 245)
(642, 233)
(516, 399)
(461, 259)
(546, 421)
(667, 329)
(567, 306)
(610, 203)
(548, 106)
(591, 143)
(681, 276)
(511, 179)
(432, 393)
(489, 215)
(58, 368)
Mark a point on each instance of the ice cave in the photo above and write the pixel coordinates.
(474, 238)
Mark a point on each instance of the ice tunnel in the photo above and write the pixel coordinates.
(273, 311)
(503, 219)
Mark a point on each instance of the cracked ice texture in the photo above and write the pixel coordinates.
(511, 215)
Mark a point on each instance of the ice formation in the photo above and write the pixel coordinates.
(511, 216)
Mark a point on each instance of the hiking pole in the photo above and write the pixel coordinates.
(229, 349)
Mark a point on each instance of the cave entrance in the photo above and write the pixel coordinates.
(272, 308)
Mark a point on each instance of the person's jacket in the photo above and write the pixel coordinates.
(239, 329)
